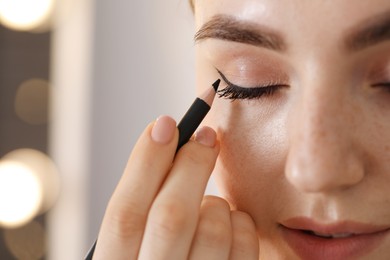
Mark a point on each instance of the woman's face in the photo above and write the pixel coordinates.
(304, 123)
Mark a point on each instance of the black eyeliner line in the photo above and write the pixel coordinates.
(226, 80)
(239, 87)
(233, 91)
(382, 84)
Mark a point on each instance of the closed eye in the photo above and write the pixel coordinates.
(233, 91)
(382, 84)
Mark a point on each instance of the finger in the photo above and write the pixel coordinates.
(124, 222)
(174, 214)
(213, 235)
(245, 244)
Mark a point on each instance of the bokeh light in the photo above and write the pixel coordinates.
(20, 194)
(26, 242)
(25, 14)
(45, 171)
(31, 101)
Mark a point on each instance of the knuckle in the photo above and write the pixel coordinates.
(204, 157)
(244, 240)
(168, 219)
(126, 221)
(214, 232)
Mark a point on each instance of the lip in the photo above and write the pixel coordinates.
(365, 238)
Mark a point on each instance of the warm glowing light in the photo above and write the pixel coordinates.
(44, 170)
(31, 101)
(25, 14)
(26, 242)
(20, 194)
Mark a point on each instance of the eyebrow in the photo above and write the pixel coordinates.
(369, 32)
(372, 31)
(225, 27)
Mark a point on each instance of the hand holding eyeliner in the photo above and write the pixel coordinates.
(187, 126)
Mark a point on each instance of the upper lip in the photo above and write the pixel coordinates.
(339, 227)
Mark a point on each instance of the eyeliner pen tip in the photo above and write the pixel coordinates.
(216, 84)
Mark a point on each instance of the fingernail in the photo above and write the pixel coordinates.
(163, 130)
(206, 136)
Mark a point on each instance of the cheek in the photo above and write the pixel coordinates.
(375, 137)
(249, 172)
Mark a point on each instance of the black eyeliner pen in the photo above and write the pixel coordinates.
(187, 126)
(195, 114)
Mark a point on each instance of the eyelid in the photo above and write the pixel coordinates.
(264, 85)
(234, 92)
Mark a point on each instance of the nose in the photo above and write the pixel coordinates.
(324, 153)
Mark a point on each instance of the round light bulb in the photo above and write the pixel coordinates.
(31, 101)
(26, 242)
(20, 194)
(44, 170)
(25, 14)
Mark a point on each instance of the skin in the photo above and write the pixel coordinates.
(317, 148)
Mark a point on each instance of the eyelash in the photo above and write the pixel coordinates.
(382, 84)
(233, 91)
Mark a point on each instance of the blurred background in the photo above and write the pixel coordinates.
(79, 81)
